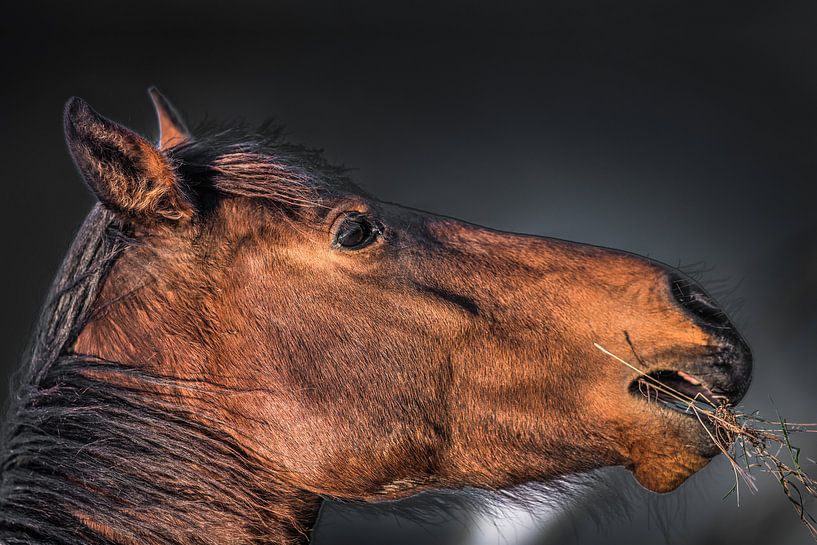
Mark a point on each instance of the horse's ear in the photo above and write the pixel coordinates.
(172, 130)
(125, 171)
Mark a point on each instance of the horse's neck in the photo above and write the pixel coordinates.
(147, 327)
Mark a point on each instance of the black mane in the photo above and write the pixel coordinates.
(257, 163)
(83, 458)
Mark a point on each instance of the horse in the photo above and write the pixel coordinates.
(239, 332)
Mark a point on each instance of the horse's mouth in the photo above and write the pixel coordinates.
(676, 390)
(673, 431)
(678, 444)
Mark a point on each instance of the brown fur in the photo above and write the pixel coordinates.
(443, 355)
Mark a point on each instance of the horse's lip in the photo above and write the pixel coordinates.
(677, 390)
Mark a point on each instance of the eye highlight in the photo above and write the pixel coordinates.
(354, 231)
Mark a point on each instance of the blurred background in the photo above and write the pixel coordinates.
(684, 131)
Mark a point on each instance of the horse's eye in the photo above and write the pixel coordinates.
(354, 232)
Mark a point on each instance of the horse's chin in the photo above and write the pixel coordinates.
(662, 474)
(686, 449)
(671, 441)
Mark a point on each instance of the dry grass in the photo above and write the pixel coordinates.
(749, 442)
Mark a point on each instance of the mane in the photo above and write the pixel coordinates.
(258, 163)
(84, 458)
(89, 458)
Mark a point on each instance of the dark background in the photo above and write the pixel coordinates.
(683, 131)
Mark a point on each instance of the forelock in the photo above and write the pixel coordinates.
(258, 163)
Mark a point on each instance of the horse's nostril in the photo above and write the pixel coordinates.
(697, 302)
(729, 370)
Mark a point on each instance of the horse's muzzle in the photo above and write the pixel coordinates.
(727, 371)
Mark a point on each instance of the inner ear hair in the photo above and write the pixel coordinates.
(125, 171)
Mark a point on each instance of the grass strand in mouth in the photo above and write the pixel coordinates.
(748, 441)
